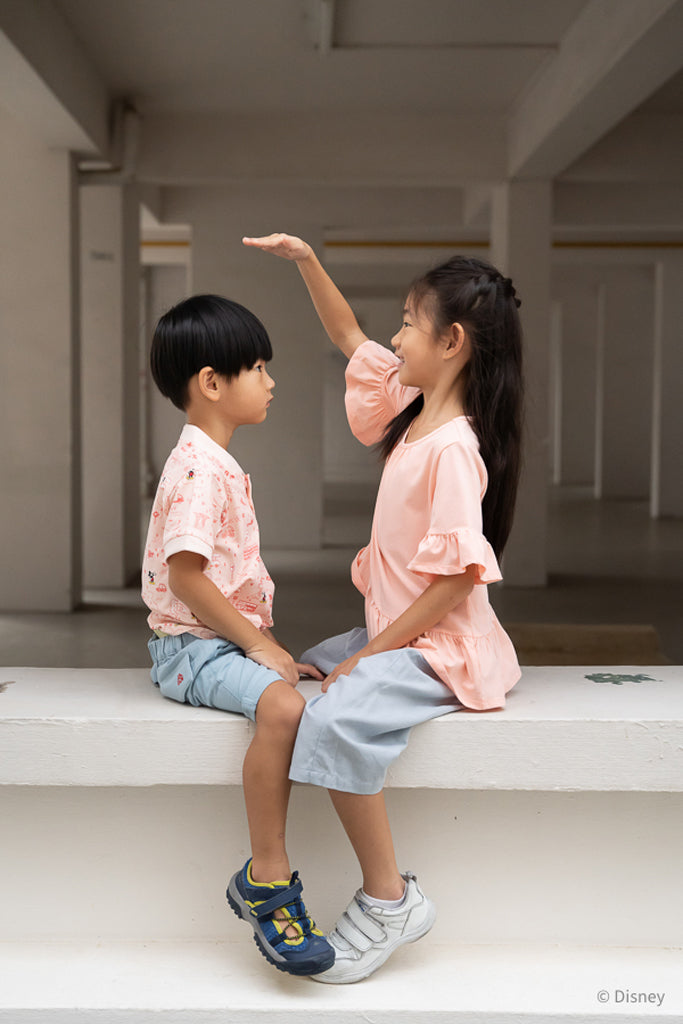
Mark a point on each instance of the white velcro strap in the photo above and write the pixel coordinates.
(359, 929)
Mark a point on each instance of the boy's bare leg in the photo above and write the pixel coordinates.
(366, 823)
(266, 782)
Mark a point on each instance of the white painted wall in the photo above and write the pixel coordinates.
(346, 460)
(283, 455)
(39, 457)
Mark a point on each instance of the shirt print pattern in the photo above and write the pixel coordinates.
(203, 504)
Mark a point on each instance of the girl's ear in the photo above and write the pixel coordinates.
(455, 340)
(208, 382)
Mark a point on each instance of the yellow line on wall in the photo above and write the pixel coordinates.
(464, 244)
(160, 242)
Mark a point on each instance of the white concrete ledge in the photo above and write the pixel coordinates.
(203, 983)
(561, 730)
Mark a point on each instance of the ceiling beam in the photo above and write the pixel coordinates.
(47, 82)
(613, 57)
(330, 148)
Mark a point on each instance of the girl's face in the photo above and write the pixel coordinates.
(418, 345)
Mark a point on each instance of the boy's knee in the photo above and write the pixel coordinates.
(280, 706)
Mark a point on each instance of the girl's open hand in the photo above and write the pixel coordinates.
(287, 246)
(344, 668)
(310, 671)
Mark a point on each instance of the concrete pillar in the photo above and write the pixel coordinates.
(598, 460)
(555, 391)
(165, 286)
(627, 382)
(284, 455)
(574, 288)
(39, 412)
(110, 310)
(666, 485)
(520, 247)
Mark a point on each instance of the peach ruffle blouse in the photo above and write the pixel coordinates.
(427, 523)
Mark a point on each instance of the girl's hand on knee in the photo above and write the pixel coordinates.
(344, 668)
(287, 246)
(311, 671)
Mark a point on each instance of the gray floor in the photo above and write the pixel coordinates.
(609, 563)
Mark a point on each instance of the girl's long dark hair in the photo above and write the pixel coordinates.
(473, 293)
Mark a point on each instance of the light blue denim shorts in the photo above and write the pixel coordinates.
(209, 673)
(350, 735)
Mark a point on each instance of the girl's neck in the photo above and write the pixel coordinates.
(438, 408)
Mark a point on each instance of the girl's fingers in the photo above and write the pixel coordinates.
(270, 242)
(309, 670)
(261, 242)
(279, 244)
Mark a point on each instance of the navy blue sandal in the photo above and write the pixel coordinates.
(308, 952)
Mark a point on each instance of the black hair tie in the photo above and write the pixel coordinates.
(509, 291)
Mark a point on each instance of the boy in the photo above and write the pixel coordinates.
(210, 599)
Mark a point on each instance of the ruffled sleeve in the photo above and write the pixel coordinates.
(454, 539)
(447, 554)
(373, 393)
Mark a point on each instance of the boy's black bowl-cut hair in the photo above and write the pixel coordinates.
(205, 330)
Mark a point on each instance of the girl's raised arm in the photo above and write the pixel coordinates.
(335, 314)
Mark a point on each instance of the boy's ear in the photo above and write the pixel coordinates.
(208, 382)
(455, 340)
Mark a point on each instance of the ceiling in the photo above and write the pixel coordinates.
(419, 94)
(283, 55)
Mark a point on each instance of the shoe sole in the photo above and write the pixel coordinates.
(350, 979)
(241, 910)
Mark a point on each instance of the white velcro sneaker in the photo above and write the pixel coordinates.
(365, 936)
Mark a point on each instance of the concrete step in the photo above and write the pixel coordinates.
(152, 864)
(556, 821)
(203, 983)
(564, 728)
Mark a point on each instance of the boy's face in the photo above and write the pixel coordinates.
(246, 397)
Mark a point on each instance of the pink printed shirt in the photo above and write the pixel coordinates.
(428, 523)
(203, 504)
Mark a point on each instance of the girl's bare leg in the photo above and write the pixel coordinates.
(265, 775)
(366, 823)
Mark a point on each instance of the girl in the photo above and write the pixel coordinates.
(445, 410)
